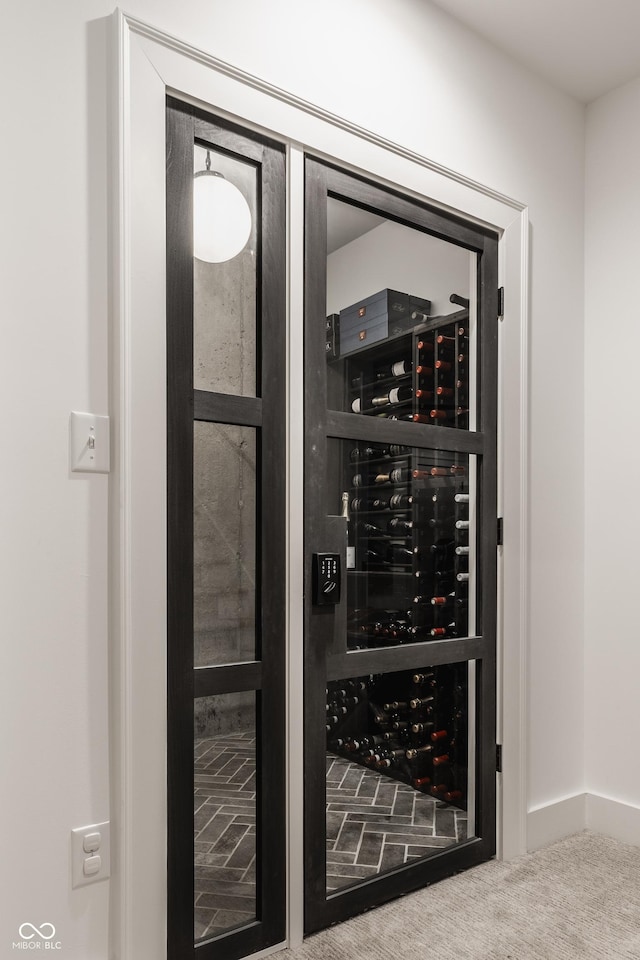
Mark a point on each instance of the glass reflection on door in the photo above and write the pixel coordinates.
(225, 301)
(398, 780)
(225, 806)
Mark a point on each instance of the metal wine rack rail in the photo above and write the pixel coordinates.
(408, 726)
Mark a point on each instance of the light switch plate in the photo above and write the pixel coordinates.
(89, 443)
(98, 860)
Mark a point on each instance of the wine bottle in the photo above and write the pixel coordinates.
(356, 405)
(461, 498)
(394, 396)
(438, 735)
(370, 529)
(399, 475)
(449, 631)
(399, 524)
(373, 556)
(395, 370)
(363, 453)
(422, 677)
(423, 371)
(452, 795)
(443, 365)
(425, 345)
(421, 782)
(422, 727)
(399, 725)
(442, 339)
(395, 705)
(370, 479)
(396, 450)
(400, 554)
(419, 317)
(445, 391)
(418, 702)
(462, 551)
(462, 577)
(440, 760)
(441, 414)
(462, 524)
(443, 601)
(424, 394)
(416, 752)
(400, 501)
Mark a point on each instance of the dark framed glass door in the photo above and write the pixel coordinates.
(400, 541)
(226, 538)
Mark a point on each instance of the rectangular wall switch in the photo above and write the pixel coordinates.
(90, 854)
(89, 443)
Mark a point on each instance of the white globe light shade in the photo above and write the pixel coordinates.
(221, 218)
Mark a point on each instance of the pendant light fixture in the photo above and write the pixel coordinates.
(221, 217)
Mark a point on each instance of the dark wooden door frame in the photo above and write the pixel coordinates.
(323, 180)
(266, 414)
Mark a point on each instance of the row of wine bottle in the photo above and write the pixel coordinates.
(443, 344)
(410, 727)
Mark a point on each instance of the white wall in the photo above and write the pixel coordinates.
(612, 455)
(437, 90)
(396, 257)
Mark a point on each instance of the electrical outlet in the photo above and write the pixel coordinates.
(90, 854)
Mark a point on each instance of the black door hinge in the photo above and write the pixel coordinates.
(500, 532)
(498, 758)
(500, 303)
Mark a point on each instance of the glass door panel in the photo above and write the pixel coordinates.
(397, 784)
(225, 808)
(400, 461)
(225, 538)
(410, 520)
(408, 356)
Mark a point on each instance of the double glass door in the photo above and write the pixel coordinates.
(399, 544)
(400, 467)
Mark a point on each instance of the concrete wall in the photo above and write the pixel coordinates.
(225, 461)
(456, 99)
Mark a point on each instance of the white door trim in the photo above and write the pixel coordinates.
(149, 64)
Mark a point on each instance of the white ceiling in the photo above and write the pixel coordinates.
(584, 47)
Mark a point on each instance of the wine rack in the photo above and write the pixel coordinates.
(422, 376)
(408, 508)
(411, 726)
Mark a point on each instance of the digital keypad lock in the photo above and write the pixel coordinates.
(326, 578)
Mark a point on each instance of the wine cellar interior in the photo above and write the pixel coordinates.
(410, 541)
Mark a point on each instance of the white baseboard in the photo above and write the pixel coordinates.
(556, 820)
(583, 811)
(613, 818)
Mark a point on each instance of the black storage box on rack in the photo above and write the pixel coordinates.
(378, 317)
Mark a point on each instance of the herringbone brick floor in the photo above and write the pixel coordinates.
(374, 823)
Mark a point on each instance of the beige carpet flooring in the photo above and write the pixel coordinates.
(578, 899)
